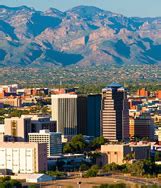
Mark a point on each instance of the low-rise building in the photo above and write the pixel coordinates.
(12, 101)
(1, 132)
(157, 118)
(37, 178)
(52, 139)
(17, 129)
(142, 127)
(158, 134)
(42, 122)
(23, 157)
(120, 153)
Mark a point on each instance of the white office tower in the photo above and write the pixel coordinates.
(52, 139)
(64, 112)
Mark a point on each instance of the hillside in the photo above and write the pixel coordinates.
(83, 35)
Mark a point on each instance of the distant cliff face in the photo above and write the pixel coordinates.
(83, 35)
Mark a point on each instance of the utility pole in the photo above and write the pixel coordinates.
(79, 184)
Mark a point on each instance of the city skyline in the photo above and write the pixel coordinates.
(125, 7)
(80, 93)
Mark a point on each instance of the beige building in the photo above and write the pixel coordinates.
(157, 119)
(17, 129)
(1, 132)
(118, 153)
(158, 134)
(9, 88)
(22, 157)
(12, 101)
(53, 141)
(115, 113)
(64, 112)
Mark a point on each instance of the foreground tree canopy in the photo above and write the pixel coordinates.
(79, 145)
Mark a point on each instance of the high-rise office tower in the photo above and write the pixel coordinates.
(64, 112)
(88, 114)
(115, 113)
(82, 115)
(93, 115)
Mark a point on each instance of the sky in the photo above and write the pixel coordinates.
(140, 8)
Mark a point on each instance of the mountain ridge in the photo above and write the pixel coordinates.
(83, 35)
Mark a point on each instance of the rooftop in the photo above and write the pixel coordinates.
(114, 85)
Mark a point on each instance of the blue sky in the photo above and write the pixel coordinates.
(142, 8)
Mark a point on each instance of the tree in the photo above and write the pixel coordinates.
(56, 173)
(83, 167)
(44, 110)
(5, 185)
(113, 167)
(137, 168)
(129, 156)
(6, 178)
(92, 172)
(32, 186)
(113, 186)
(68, 148)
(97, 142)
(15, 183)
(150, 167)
(6, 182)
(94, 156)
(157, 156)
(143, 167)
(76, 145)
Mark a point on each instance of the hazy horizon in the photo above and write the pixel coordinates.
(129, 8)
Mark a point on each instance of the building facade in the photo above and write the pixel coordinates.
(1, 132)
(142, 127)
(93, 115)
(41, 123)
(88, 115)
(64, 112)
(117, 153)
(115, 113)
(17, 129)
(53, 141)
(22, 157)
(12, 101)
(82, 115)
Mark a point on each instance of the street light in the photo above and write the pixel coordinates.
(79, 184)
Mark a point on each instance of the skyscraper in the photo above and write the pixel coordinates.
(64, 112)
(88, 114)
(115, 113)
(82, 115)
(93, 115)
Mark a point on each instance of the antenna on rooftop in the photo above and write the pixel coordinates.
(60, 83)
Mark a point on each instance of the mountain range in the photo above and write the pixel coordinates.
(83, 35)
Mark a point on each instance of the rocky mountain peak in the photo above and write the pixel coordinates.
(84, 35)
